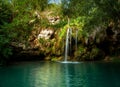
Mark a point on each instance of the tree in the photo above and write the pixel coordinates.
(15, 16)
(100, 12)
(5, 18)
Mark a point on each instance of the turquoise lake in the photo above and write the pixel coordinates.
(55, 74)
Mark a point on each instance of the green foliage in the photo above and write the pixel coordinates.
(5, 19)
(100, 12)
(59, 25)
(110, 8)
(5, 50)
(94, 53)
(62, 33)
(15, 17)
(81, 49)
(75, 8)
(43, 22)
(75, 24)
(79, 22)
(5, 13)
(84, 15)
(41, 40)
(55, 9)
(29, 5)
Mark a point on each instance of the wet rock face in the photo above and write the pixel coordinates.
(102, 43)
(110, 43)
(36, 46)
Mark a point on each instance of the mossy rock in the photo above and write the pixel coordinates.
(94, 54)
(57, 59)
(47, 58)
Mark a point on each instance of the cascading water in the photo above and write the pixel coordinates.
(76, 40)
(67, 45)
(70, 35)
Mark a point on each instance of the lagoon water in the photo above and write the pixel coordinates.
(55, 74)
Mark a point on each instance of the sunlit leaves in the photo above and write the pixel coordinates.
(101, 12)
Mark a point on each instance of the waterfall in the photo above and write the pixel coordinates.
(67, 44)
(70, 35)
(76, 39)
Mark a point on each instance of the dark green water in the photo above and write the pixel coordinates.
(52, 74)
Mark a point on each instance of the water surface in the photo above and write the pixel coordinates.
(55, 74)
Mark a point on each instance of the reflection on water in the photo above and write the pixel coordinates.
(51, 74)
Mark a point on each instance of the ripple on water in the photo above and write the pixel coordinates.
(71, 62)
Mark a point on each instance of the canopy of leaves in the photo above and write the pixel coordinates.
(101, 12)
